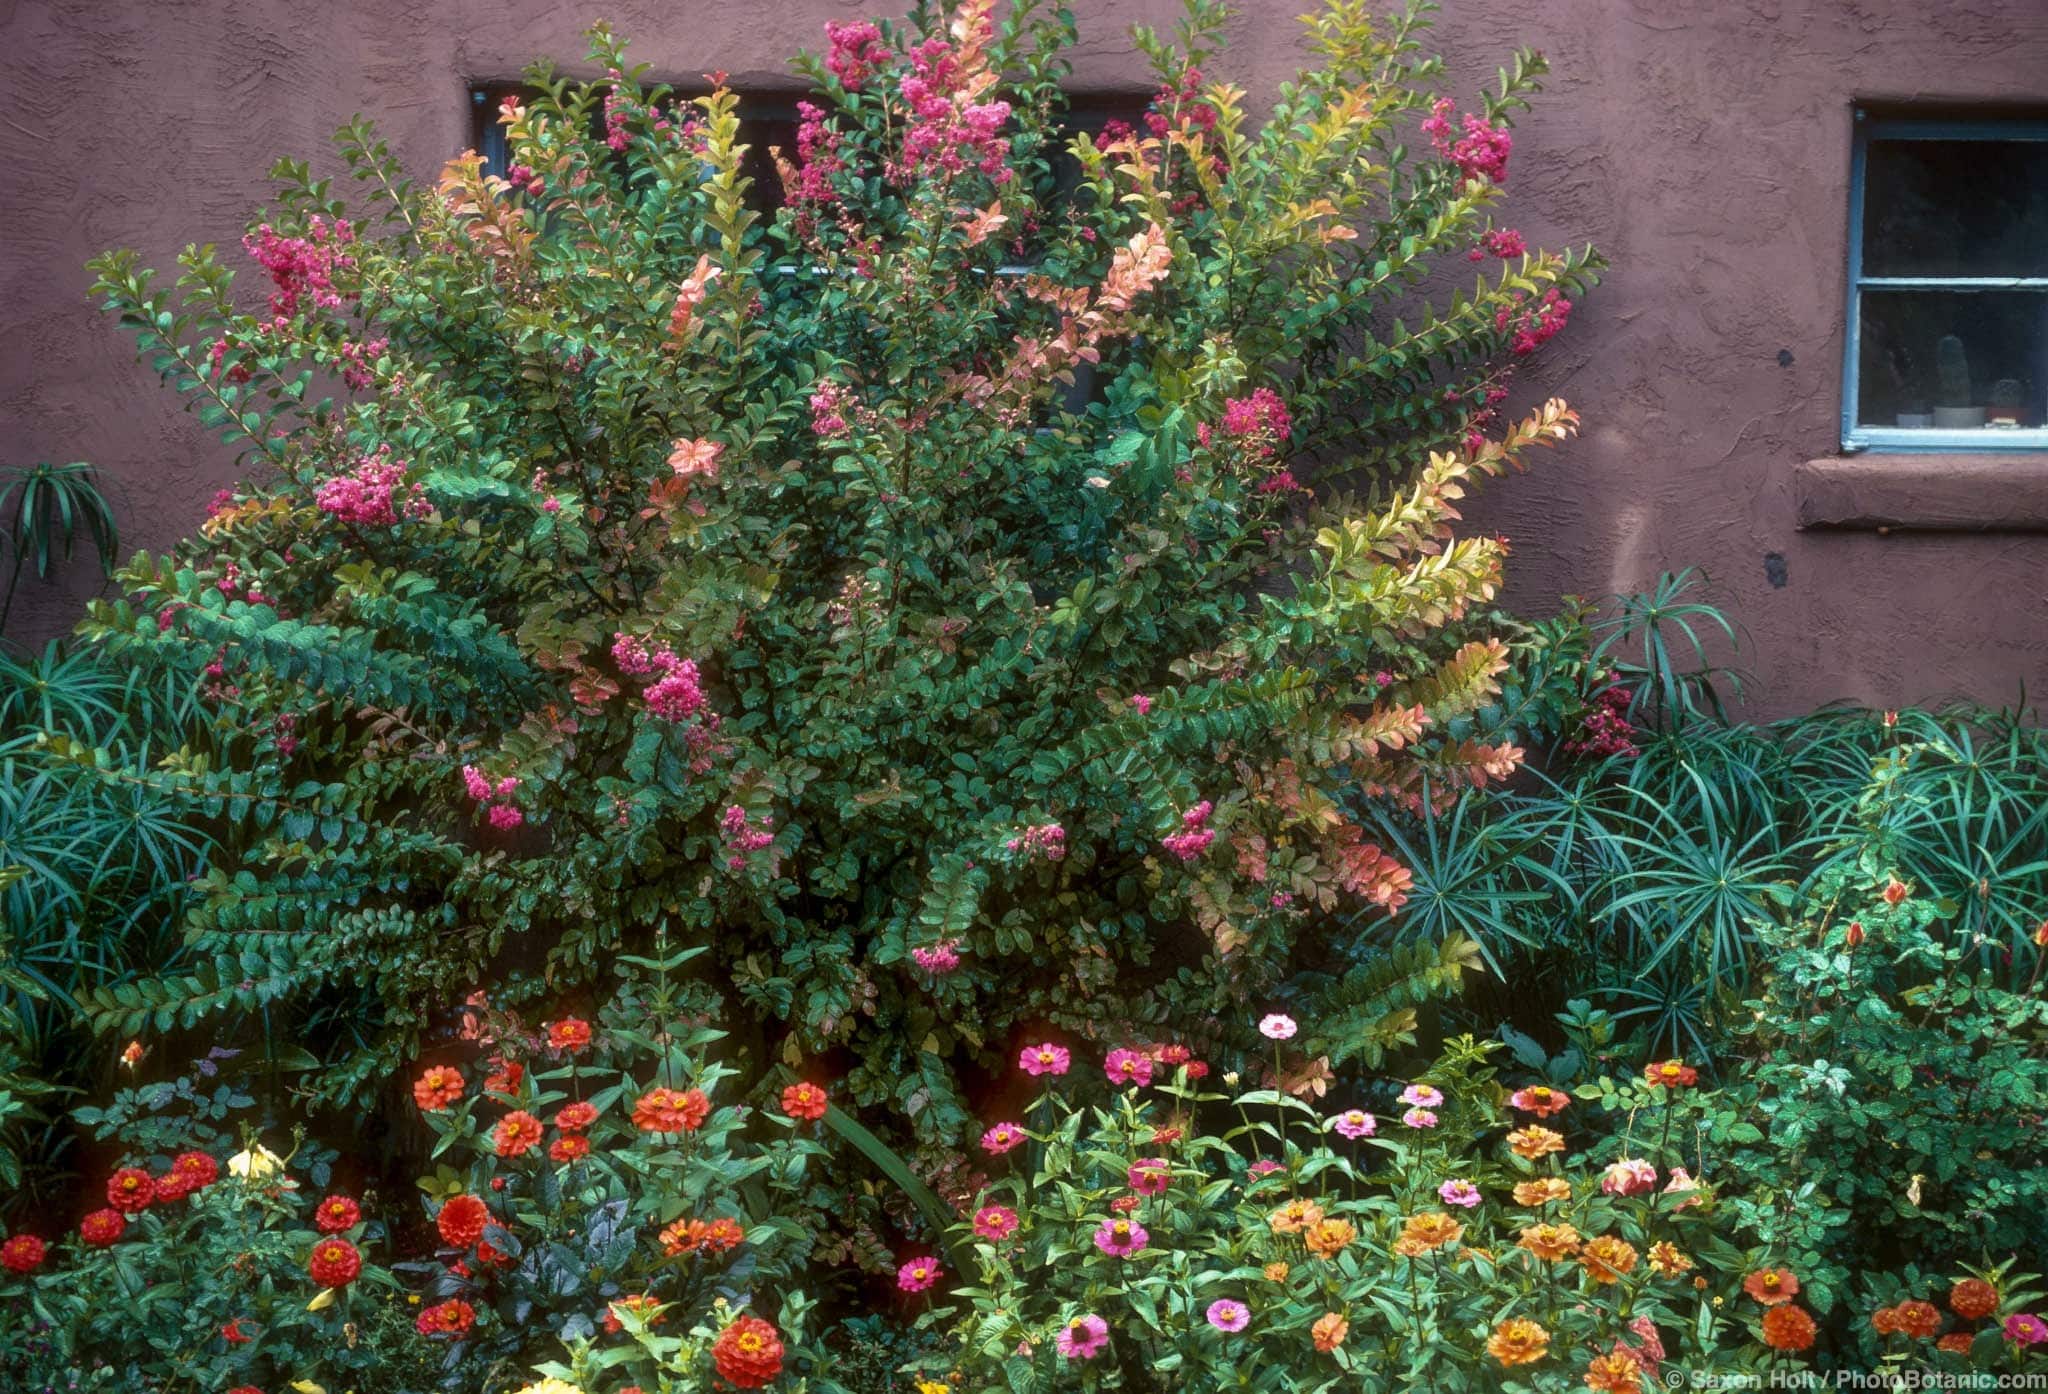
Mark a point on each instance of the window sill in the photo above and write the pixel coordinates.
(1925, 492)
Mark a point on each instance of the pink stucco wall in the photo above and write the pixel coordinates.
(1703, 144)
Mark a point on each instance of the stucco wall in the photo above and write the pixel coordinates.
(1703, 146)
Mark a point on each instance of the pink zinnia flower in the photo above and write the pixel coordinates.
(1277, 1027)
(1001, 1138)
(1128, 1067)
(1419, 1118)
(1226, 1315)
(1422, 1096)
(1149, 1176)
(1629, 1177)
(2025, 1329)
(1355, 1124)
(1459, 1192)
(1045, 1059)
(918, 1274)
(1263, 1167)
(1120, 1238)
(1082, 1338)
(995, 1222)
(1679, 1183)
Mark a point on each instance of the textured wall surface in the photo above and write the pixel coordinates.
(1703, 144)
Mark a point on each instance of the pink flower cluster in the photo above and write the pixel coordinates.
(1259, 422)
(1481, 153)
(240, 373)
(1184, 100)
(1047, 840)
(827, 418)
(857, 53)
(1505, 243)
(359, 362)
(302, 267)
(496, 797)
(677, 694)
(817, 158)
(366, 495)
(1195, 835)
(1604, 729)
(1533, 325)
(937, 959)
(744, 835)
(949, 131)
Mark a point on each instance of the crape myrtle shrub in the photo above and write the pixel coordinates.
(779, 583)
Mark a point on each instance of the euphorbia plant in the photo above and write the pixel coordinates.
(788, 583)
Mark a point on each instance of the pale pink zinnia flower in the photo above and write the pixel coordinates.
(1419, 1118)
(1355, 1124)
(1226, 1315)
(1277, 1027)
(1422, 1096)
(1045, 1059)
(1629, 1177)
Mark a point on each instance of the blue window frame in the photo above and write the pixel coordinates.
(1947, 346)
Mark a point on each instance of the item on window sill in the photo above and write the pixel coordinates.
(2008, 404)
(1953, 411)
(1916, 418)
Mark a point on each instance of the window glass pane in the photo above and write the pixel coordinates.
(1960, 360)
(1956, 208)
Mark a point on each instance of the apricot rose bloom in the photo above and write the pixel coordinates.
(1518, 1341)
(1329, 1332)
(1607, 1258)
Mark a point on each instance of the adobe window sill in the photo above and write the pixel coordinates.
(1924, 493)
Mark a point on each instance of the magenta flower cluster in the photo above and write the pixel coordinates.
(302, 268)
(367, 494)
(1195, 834)
(1047, 840)
(494, 796)
(857, 53)
(948, 133)
(1480, 153)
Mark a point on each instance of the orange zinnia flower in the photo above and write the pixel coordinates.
(1918, 1319)
(1956, 1343)
(1329, 1332)
(1550, 1242)
(517, 1133)
(436, 1088)
(1666, 1261)
(1534, 1141)
(1788, 1327)
(1518, 1341)
(1277, 1272)
(1543, 1192)
(1605, 1259)
(671, 1111)
(1329, 1238)
(1614, 1373)
(1431, 1230)
(1540, 1100)
(1771, 1286)
(1672, 1074)
(1973, 1298)
(1295, 1216)
(1885, 1321)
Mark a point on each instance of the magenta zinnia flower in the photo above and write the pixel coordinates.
(918, 1274)
(1045, 1059)
(2025, 1329)
(1355, 1124)
(1226, 1315)
(1459, 1192)
(1001, 1138)
(1277, 1027)
(1128, 1067)
(995, 1222)
(1120, 1238)
(1422, 1096)
(1149, 1175)
(1083, 1338)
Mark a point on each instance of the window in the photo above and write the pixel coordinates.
(1948, 286)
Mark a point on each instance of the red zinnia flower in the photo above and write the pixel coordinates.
(334, 1263)
(748, 1353)
(23, 1253)
(335, 1214)
(517, 1134)
(570, 1033)
(245, 1389)
(175, 1185)
(436, 1088)
(451, 1318)
(462, 1221)
(102, 1227)
(804, 1101)
(1771, 1286)
(130, 1189)
(569, 1147)
(199, 1166)
(1918, 1319)
(506, 1077)
(1973, 1298)
(1788, 1328)
(574, 1118)
(671, 1111)
(234, 1335)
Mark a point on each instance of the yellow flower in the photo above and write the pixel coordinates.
(1666, 1261)
(254, 1163)
(932, 1386)
(551, 1385)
